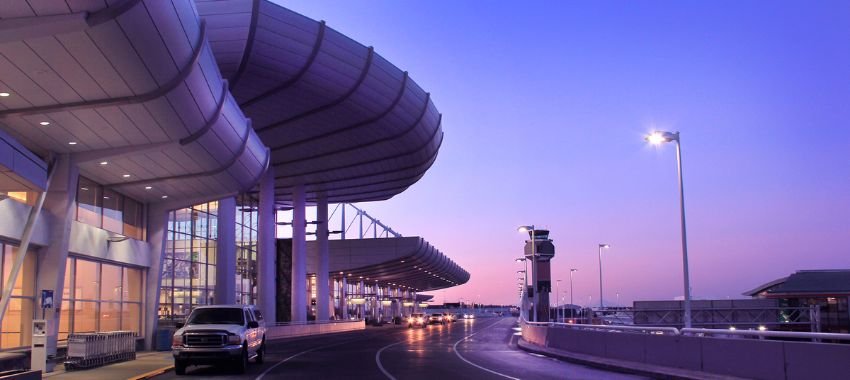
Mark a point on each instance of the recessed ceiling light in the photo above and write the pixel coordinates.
(126, 176)
(4, 94)
(105, 197)
(84, 188)
(148, 187)
(164, 196)
(45, 123)
(103, 162)
(72, 143)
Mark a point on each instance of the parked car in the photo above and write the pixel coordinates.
(437, 318)
(417, 319)
(219, 334)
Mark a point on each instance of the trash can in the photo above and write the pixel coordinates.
(163, 339)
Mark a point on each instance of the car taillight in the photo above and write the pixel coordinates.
(176, 340)
(234, 339)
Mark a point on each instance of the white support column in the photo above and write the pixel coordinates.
(60, 204)
(343, 298)
(322, 313)
(157, 231)
(299, 255)
(225, 270)
(266, 290)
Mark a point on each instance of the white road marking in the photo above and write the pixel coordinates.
(299, 354)
(476, 365)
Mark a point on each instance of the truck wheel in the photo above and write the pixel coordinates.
(261, 352)
(180, 367)
(242, 365)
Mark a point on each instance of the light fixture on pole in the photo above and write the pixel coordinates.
(658, 138)
(571, 284)
(535, 296)
(601, 246)
(524, 286)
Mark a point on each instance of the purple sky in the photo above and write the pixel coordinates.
(544, 108)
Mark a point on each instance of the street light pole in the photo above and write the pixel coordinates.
(571, 285)
(601, 245)
(658, 137)
(557, 301)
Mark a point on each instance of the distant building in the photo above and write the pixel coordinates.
(827, 290)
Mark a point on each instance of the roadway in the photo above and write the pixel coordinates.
(474, 349)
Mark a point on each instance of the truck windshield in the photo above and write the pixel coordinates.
(223, 316)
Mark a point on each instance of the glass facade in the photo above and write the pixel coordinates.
(26, 197)
(246, 249)
(107, 209)
(16, 329)
(188, 271)
(100, 297)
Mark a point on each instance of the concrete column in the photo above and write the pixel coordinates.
(157, 229)
(362, 307)
(60, 204)
(266, 291)
(324, 260)
(299, 255)
(343, 298)
(225, 254)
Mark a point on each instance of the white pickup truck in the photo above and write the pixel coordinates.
(217, 334)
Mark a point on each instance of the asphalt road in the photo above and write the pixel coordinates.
(477, 349)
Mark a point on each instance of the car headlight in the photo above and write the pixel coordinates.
(176, 340)
(234, 339)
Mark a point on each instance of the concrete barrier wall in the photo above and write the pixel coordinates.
(279, 332)
(756, 359)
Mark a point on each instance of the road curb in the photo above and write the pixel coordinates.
(154, 373)
(654, 371)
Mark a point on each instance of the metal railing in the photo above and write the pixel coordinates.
(89, 350)
(817, 337)
(303, 323)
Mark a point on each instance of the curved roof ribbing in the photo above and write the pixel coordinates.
(338, 117)
(407, 262)
(140, 85)
(134, 86)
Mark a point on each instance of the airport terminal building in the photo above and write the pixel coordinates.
(148, 148)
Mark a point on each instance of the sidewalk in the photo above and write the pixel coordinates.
(147, 364)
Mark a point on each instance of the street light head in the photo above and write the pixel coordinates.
(602, 245)
(520, 260)
(659, 137)
(525, 228)
(573, 270)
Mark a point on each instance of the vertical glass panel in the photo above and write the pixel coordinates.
(132, 285)
(182, 306)
(89, 201)
(212, 208)
(113, 211)
(25, 282)
(133, 221)
(85, 316)
(131, 317)
(110, 316)
(86, 281)
(110, 282)
(65, 320)
(11, 328)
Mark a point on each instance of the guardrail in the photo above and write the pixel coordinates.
(759, 334)
(282, 330)
(815, 337)
(89, 350)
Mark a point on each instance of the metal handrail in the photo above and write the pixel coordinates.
(814, 336)
(769, 334)
(302, 323)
